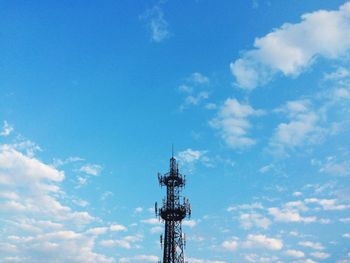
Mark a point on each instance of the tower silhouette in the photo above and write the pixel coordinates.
(172, 212)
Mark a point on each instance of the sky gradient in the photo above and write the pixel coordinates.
(254, 95)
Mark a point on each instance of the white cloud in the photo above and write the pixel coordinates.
(249, 220)
(139, 258)
(156, 229)
(81, 181)
(97, 230)
(295, 253)
(310, 244)
(189, 223)
(266, 168)
(194, 100)
(19, 169)
(7, 129)
(28, 147)
(338, 74)
(289, 215)
(303, 127)
(305, 261)
(126, 242)
(233, 124)
(254, 241)
(156, 24)
(105, 195)
(151, 221)
(334, 167)
(117, 228)
(197, 260)
(36, 221)
(91, 169)
(190, 156)
(327, 204)
(80, 202)
(292, 48)
(76, 246)
(245, 207)
(60, 162)
(262, 259)
(116, 243)
(320, 255)
(198, 78)
(185, 88)
(229, 245)
(193, 97)
(138, 210)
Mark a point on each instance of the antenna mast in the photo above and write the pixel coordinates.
(173, 211)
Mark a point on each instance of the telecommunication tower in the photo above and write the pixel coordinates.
(172, 212)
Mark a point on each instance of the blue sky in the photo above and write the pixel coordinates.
(254, 95)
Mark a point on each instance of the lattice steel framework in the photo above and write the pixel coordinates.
(173, 211)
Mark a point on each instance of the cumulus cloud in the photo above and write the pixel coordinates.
(249, 220)
(232, 122)
(310, 244)
(293, 48)
(37, 222)
(151, 221)
(289, 215)
(303, 127)
(125, 242)
(229, 245)
(76, 246)
(295, 253)
(262, 241)
(117, 228)
(327, 204)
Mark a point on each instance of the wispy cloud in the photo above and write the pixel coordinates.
(156, 23)
(189, 156)
(195, 89)
(91, 169)
(7, 129)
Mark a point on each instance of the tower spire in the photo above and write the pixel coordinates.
(173, 211)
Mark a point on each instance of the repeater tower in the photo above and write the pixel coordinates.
(173, 210)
